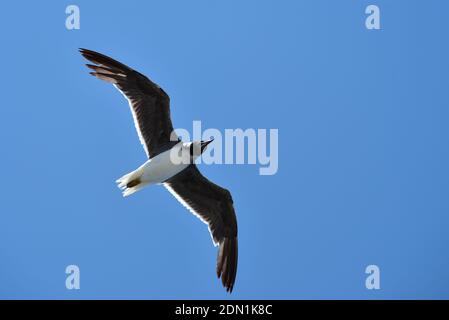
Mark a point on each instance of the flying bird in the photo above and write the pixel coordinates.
(171, 162)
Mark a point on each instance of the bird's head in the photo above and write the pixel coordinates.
(204, 144)
(197, 148)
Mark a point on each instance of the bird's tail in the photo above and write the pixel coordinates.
(131, 182)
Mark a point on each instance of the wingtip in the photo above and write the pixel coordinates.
(83, 51)
(229, 289)
(86, 53)
(227, 262)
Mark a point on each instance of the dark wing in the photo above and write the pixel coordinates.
(149, 104)
(213, 205)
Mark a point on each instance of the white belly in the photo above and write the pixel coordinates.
(160, 168)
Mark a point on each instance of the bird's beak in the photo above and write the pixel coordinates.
(204, 144)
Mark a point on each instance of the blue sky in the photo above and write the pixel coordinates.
(363, 149)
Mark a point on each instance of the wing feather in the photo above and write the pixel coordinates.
(149, 104)
(213, 205)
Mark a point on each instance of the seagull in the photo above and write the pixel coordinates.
(171, 162)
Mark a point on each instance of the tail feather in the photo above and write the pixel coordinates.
(131, 182)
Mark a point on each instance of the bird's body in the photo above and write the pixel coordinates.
(170, 161)
(158, 169)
